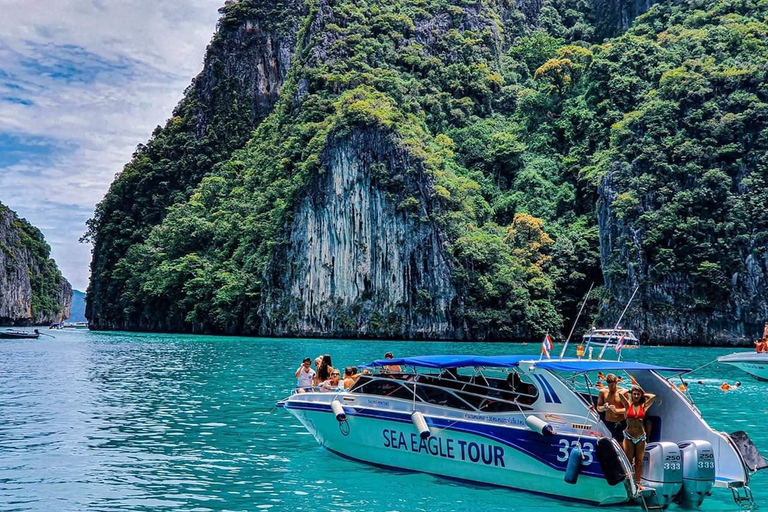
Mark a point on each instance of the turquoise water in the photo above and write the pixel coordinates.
(146, 422)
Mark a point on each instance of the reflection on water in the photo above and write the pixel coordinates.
(116, 422)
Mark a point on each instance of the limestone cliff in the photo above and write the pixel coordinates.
(245, 66)
(431, 170)
(32, 290)
(363, 260)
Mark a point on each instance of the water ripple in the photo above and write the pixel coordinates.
(138, 422)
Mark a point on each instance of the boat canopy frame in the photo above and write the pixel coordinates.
(513, 361)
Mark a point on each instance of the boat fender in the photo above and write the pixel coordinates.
(538, 425)
(608, 457)
(421, 425)
(338, 410)
(574, 465)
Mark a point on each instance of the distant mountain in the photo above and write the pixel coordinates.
(77, 313)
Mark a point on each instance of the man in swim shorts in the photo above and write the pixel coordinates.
(608, 401)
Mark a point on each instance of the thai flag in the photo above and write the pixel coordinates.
(620, 343)
(546, 345)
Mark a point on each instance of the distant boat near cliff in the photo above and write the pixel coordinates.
(611, 337)
(754, 363)
(16, 334)
(75, 325)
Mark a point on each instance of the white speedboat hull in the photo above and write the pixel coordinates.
(502, 455)
(754, 363)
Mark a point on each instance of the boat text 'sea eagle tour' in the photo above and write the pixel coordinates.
(527, 423)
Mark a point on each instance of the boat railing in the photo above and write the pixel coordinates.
(473, 396)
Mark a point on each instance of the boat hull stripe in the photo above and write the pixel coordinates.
(545, 449)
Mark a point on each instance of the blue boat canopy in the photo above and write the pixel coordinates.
(576, 365)
(457, 361)
(469, 361)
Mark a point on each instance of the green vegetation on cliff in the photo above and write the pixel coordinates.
(524, 125)
(28, 269)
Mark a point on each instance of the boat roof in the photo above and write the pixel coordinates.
(512, 361)
(452, 361)
(749, 357)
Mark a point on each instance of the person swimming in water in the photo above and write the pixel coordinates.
(636, 402)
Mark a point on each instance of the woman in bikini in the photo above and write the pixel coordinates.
(637, 403)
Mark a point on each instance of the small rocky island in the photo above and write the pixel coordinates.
(32, 289)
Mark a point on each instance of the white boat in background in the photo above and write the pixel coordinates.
(75, 325)
(599, 338)
(754, 363)
(529, 424)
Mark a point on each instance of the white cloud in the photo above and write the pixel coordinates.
(82, 82)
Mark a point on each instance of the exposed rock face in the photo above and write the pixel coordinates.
(362, 260)
(669, 309)
(615, 16)
(32, 291)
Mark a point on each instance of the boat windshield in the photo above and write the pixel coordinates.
(492, 392)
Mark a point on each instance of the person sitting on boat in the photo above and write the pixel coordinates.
(350, 376)
(304, 375)
(392, 368)
(609, 402)
(325, 369)
(318, 362)
(333, 383)
(761, 346)
(636, 403)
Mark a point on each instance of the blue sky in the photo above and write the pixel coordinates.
(82, 82)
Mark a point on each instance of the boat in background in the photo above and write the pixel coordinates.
(17, 334)
(75, 325)
(525, 423)
(606, 338)
(754, 363)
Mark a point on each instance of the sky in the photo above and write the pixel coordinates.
(82, 83)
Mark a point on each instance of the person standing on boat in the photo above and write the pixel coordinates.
(609, 402)
(636, 403)
(305, 376)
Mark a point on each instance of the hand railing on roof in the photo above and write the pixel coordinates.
(418, 390)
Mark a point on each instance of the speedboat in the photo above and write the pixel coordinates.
(16, 334)
(75, 325)
(528, 424)
(603, 338)
(754, 363)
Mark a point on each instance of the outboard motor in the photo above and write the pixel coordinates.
(698, 472)
(663, 471)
